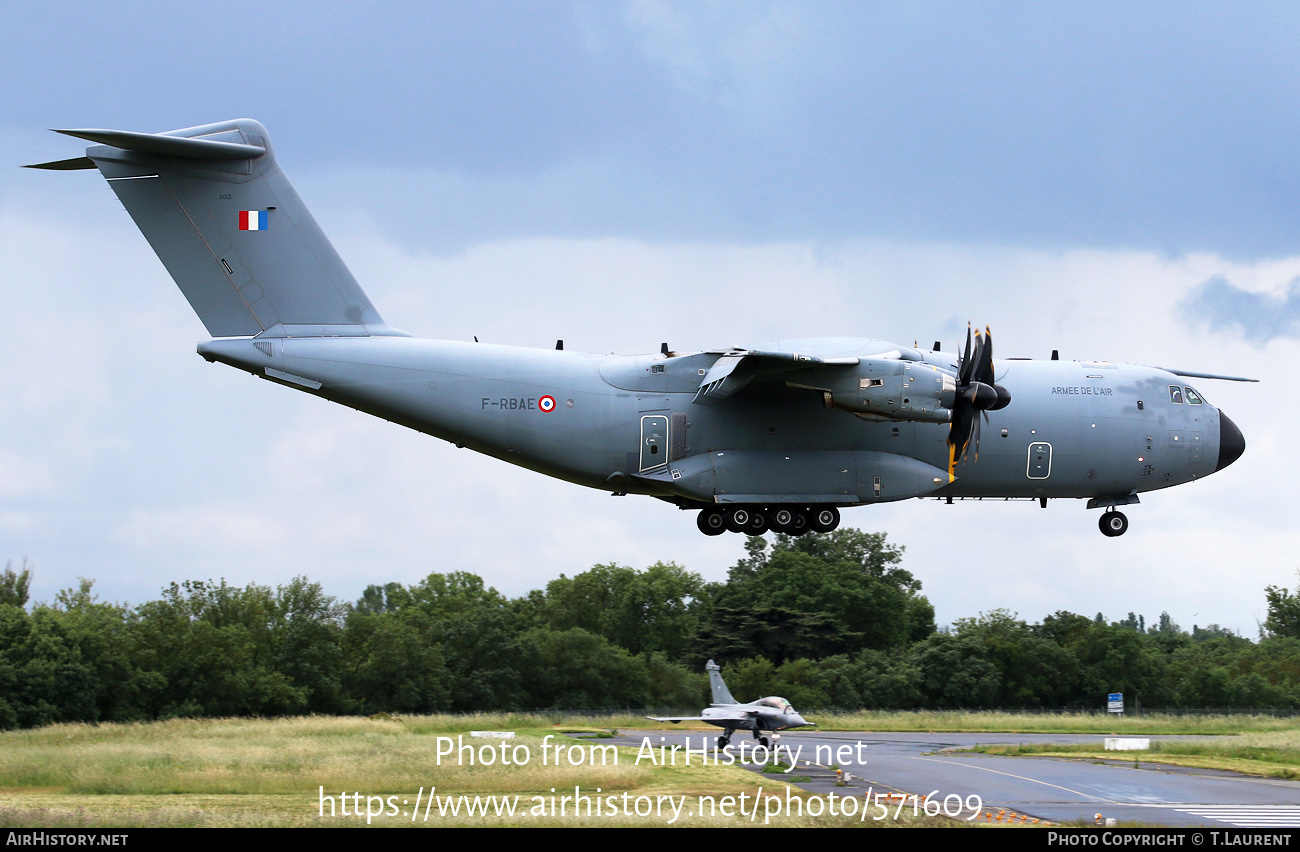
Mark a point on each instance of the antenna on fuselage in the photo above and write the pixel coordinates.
(1056, 355)
(559, 344)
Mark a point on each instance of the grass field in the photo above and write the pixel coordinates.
(1274, 754)
(980, 721)
(1054, 723)
(297, 771)
(309, 771)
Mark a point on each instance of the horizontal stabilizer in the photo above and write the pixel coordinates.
(169, 146)
(65, 165)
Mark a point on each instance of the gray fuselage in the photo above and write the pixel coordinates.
(629, 423)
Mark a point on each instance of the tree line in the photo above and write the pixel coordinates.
(828, 621)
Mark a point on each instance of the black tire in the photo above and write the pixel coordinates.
(737, 518)
(823, 519)
(800, 525)
(711, 521)
(723, 742)
(757, 523)
(781, 519)
(1113, 524)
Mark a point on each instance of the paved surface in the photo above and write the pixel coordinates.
(1044, 788)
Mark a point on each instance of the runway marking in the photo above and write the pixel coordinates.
(1245, 816)
(1020, 778)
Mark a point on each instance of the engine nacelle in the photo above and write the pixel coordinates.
(887, 389)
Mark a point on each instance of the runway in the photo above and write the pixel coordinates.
(1055, 790)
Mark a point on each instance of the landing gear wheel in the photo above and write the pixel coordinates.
(763, 741)
(781, 519)
(723, 742)
(738, 518)
(800, 525)
(1113, 524)
(824, 519)
(757, 523)
(711, 521)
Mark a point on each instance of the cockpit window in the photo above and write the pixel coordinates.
(1175, 394)
(776, 702)
(1193, 398)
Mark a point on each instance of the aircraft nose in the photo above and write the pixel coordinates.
(1231, 442)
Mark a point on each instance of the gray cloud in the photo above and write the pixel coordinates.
(1256, 317)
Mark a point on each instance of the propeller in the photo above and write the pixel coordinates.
(976, 392)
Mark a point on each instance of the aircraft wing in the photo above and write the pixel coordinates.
(1189, 374)
(717, 713)
(738, 367)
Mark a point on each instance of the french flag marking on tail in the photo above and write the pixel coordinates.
(252, 220)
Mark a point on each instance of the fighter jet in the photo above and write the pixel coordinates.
(769, 714)
(777, 436)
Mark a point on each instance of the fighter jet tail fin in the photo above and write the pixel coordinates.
(721, 695)
(232, 232)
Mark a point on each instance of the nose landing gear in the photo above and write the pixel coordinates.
(1113, 523)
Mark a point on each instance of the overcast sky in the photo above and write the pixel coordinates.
(1112, 180)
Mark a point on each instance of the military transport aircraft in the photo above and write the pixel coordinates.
(769, 714)
(778, 436)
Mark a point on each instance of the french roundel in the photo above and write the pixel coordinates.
(546, 404)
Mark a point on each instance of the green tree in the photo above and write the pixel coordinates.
(14, 585)
(214, 647)
(1283, 613)
(658, 609)
(579, 670)
(389, 666)
(849, 578)
(1032, 669)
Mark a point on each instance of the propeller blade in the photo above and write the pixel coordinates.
(977, 393)
(964, 366)
(984, 358)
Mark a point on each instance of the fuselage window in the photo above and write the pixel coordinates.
(1193, 398)
(1175, 394)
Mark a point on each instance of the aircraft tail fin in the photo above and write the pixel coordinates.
(232, 232)
(721, 695)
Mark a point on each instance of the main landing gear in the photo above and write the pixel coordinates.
(756, 520)
(1113, 523)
